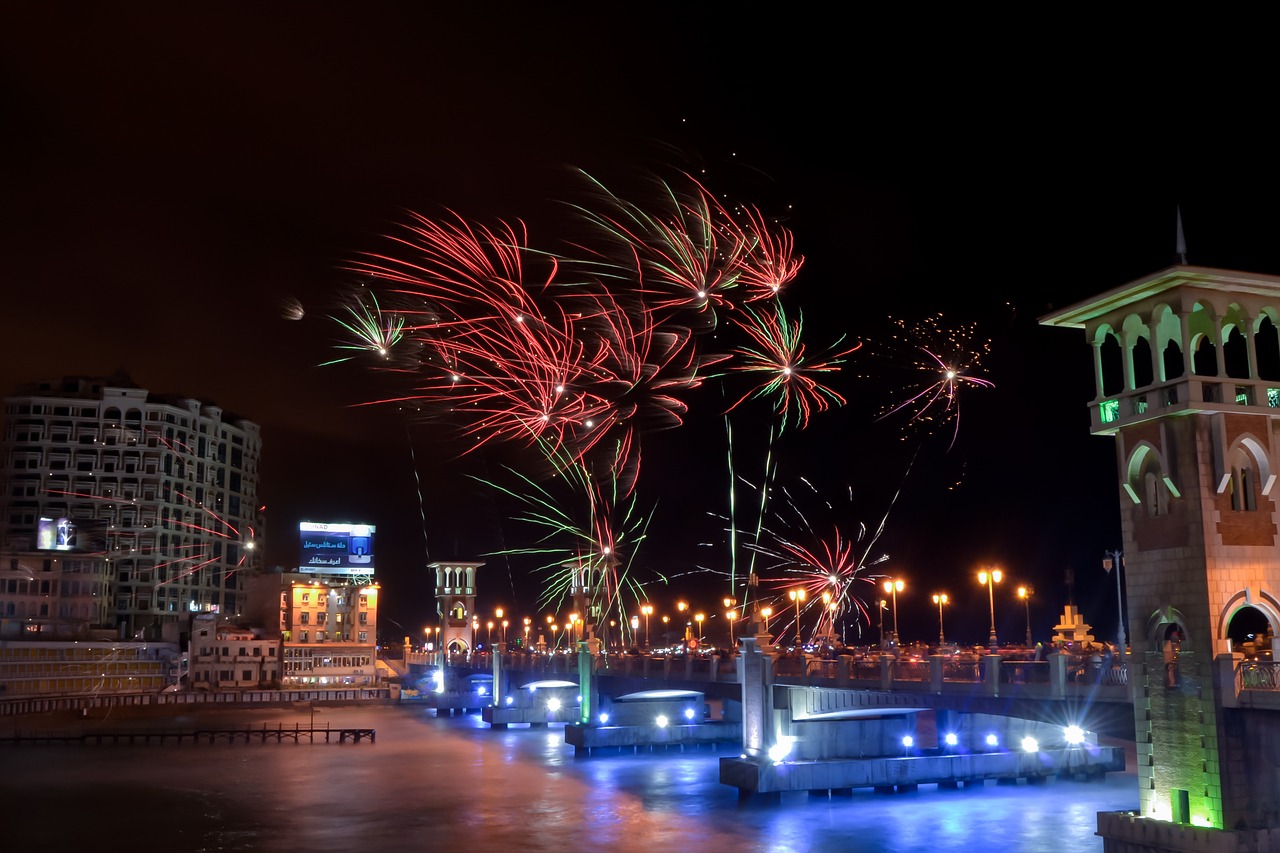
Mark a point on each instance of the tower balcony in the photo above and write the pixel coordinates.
(1184, 395)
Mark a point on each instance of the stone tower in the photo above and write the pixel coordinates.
(456, 604)
(1187, 364)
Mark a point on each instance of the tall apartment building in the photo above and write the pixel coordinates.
(153, 495)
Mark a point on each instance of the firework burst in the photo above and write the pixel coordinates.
(777, 355)
(943, 363)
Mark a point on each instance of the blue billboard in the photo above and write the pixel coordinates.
(336, 548)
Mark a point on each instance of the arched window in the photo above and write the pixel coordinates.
(1266, 344)
(1146, 482)
(1204, 358)
(1112, 366)
(1243, 484)
(1143, 374)
(1235, 355)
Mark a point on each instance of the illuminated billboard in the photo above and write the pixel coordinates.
(56, 534)
(336, 549)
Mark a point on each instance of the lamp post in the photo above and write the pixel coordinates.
(573, 628)
(765, 613)
(489, 640)
(729, 604)
(883, 605)
(894, 587)
(635, 626)
(732, 616)
(1025, 593)
(505, 623)
(1116, 559)
(991, 578)
(683, 607)
(798, 596)
(698, 618)
(940, 599)
(527, 624)
(647, 610)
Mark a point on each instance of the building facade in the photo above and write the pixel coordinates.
(328, 627)
(228, 657)
(154, 496)
(1187, 367)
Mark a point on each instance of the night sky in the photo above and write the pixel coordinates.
(171, 176)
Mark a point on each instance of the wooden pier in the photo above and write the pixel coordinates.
(264, 734)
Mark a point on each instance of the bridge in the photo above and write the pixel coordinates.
(843, 722)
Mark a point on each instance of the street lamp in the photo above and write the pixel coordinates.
(505, 623)
(798, 596)
(1025, 593)
(647, 610)
(883, 605)
(699, 619)
(1116, 559)
(893, 588)
(732, 616)
(940, 599)
(991, 578)
(490, 639)
(527, 624)
(573, 628)
(555, 643)
(682, 607)
(765, 613)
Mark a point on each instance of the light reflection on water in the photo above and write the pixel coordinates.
(453, 783)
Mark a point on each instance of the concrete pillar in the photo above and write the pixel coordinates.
(586, 683)
(500, 688)
(757, 701)
(844, 670)
(688, 667)
(991, 674)
(886, 672)
(1057, 675)
(937, 666)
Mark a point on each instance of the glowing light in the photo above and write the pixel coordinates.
(688, 713)
(1030, 744)
(951, 739)
(660, 721)
(1073, 734)
(604, 719)
(553, 704)
(908, 741)
(992, 740)
(510, 700)
(779, 751)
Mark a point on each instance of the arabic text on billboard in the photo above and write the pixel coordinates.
(341, 549)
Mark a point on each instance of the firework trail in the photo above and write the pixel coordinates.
(944, 362)
(830, 563)
(589, 557)
(369, 328)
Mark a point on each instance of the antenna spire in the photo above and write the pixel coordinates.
(1181, 243)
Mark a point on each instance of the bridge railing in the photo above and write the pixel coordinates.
(869, 670)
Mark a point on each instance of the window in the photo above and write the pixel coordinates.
(306, 618)
(364, 636)
(246, 675)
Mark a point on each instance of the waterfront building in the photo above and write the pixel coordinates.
(327, 625)
(79, 668)
(224, 656)
(146, 502)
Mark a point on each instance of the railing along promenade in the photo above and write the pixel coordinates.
(1060, 676)
(19, 705)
